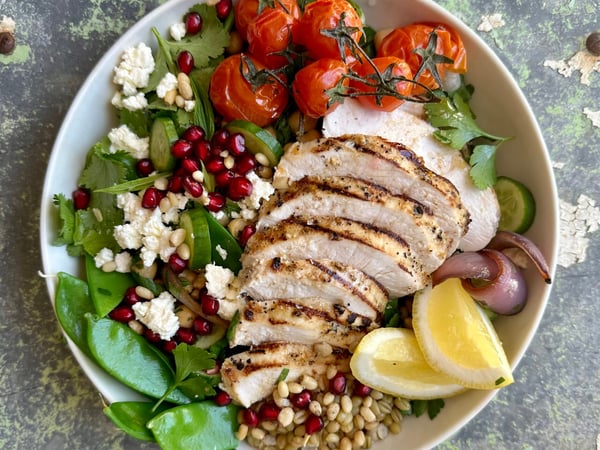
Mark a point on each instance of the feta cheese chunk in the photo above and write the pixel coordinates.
(104, 256)
(222, 284)
(159, 315)
(135, 102)
(177, 31)
(122, 138)
(134, 69)
(166, 84)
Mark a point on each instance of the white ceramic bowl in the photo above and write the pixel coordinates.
(499, 105)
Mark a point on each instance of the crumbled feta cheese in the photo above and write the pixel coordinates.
(7, 25)
(178, 203)
(122, 138)
(117, 100)
(189, 105)
(594, 116)
(104, 256)
(166, 84)
(491, 22)
(123, 262)
(218, 282)
(177, 31)
(155, 239)
(135, 102)
(582, 61)
(261, 190)
(222, 252)
(159, 315)
(134, 69)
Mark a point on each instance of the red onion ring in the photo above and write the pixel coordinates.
(507, 292)
(466, 265)
(508, 239)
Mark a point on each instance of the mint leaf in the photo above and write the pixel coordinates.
(133, 185)
(483, 166)
(434, 407)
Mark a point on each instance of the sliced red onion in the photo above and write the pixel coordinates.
(466, 265)
(508, 239)
(506, 293)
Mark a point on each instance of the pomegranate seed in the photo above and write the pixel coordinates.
(223, 178)
(193, 23)
(81, 198)
(361, 390)
(239, 188)
(176, 263)
(222, 398)
(250, 417)
(214, 165)
(185, 62)
(175, 184)
(210, 305)
(194, 133)
(301, 400)
(221, 138)
(268, 411)
(151, 198)
(237, 144)
(202, 149)
(151, 336)
(313, 424)
(144, 167)
(337, 385)
(216, 202)
(185, 335)
(122, 314)
(169, 346)
(245, 234)
(245, 164)
(131, 297)
(194, 188)
(190, 165)
(202, 326)
(223, 8)
(181, 148)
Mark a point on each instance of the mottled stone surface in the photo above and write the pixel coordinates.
(48, 403)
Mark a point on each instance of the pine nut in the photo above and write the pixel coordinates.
(184, 87)
(359, 422)
(376, 395)
(169, 97)
(262, 159)
(185, 315)
(109, 266)
(328, 399)
(258, 433)
(395, 428)
(286, 416)
(332, 438)
(309, 383)
(242, 432)
(367, 414)
(367, 401)
(183, 250)
(198, 175)
(295, 388)
(161, 183)
(359, 438)
(332, 411)
(177, 237)
(180, 101)
(165, 204)
(143, 292)
(333, 427)
(347, 427)
(346, 403)
(229, 162)
(300, 417)
(331, 372)
(382, 431)
(282, 389)
(315, 408)
(136, 326)
(345, 444)
(269, 425)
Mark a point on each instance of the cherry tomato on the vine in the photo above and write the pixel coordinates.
(390, 67)
(312, 81)
(235, 98)
(246, 12)
(269, 35)
(322, 15)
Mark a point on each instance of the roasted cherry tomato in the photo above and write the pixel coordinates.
(312, 81)
(322, 15)
(234, 97)
(390, 67)
(456, 50)
(246, 12)
(270, 35)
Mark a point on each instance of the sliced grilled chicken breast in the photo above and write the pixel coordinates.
(380, 253)
(329, 281)
(250, 376)
(309, 322)
(366, 202)
(372, 158)
(406, 125)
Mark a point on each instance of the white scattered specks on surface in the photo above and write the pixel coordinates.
(594, 116)
(491, 22)
(577, 222)
(582, 61)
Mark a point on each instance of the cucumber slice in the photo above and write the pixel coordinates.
(162, 136)
(197, 237)
(258, 140)
(217, 334)
(517, 205)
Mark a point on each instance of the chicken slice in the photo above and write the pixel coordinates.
(251, 376)
(366, 202)
(380, 253)
(330, 281)
(307, 322)
(406, 125)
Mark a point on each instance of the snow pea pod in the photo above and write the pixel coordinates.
(132, 417)
(131, 359)
(106, 288)
(220, 236)
(71, 303)
(201, 426)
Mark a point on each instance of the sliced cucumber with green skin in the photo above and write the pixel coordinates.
(197, 237)
(205, 341)
(517, 205)
(258, 140)
(162, 136)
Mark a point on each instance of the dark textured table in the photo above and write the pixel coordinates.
(48, 403)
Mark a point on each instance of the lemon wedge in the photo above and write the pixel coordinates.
(457, 338)
(390, 360)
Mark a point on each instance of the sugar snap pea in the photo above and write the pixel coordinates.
(132, 417)
(198, 426)
(106, 288)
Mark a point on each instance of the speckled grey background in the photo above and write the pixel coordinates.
(47, 402)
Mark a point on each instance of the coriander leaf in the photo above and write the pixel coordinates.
(483, 166)
(434, 407)
(200, 386)
(136, 121)
(66, 214)
(418, 407)
(101, 172)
